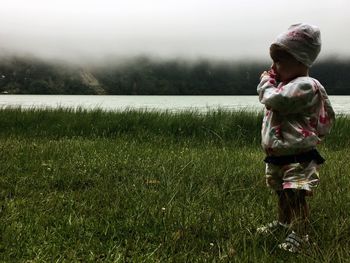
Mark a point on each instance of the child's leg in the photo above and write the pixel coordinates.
(293, 209)
(284, 212)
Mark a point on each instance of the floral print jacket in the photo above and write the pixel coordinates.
(297, 115)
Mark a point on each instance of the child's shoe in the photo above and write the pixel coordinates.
(294, 243)
(272, 227)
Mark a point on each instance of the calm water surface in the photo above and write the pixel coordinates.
(341, 104)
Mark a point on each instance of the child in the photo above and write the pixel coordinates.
(298, 114)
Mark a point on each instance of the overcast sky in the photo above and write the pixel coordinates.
(218, 29)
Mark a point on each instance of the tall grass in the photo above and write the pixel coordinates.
(153, 187)
(238, 126)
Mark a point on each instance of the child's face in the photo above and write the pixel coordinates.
(285, 66)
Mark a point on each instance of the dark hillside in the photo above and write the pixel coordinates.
(143, 76)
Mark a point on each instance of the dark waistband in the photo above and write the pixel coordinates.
(312, 155)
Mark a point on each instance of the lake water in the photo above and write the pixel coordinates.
(341, 104)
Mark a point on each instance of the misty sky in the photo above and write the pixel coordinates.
(218, 29)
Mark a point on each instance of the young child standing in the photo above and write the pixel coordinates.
(298, 114)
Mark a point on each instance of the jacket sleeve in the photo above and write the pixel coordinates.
(326, 116)
(293, 97)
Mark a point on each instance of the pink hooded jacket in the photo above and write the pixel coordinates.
(297, 115)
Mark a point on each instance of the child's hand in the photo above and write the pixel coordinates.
(270, 73)
(264, 74)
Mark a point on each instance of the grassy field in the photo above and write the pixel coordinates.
(133, 186)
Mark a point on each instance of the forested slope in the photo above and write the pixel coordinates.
(144, 76)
